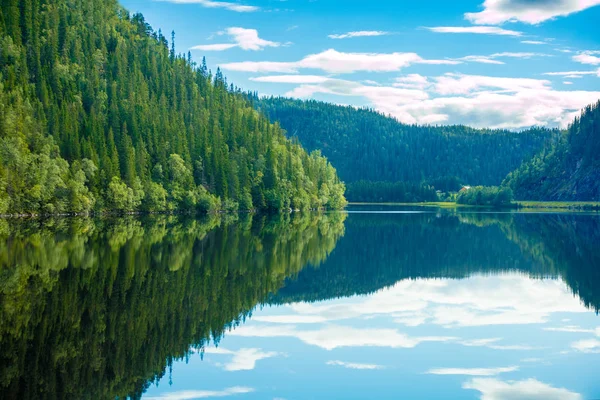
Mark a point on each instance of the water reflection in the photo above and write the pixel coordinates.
(100, 308)
(379, 250)
(432, 305)
(423, 304)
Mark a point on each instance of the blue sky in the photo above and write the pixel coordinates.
(493, 63)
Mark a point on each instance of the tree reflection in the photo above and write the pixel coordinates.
(378, 250)
(100, 308)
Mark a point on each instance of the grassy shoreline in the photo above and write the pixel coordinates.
(439, 204)
(523, 205)
(560, 205)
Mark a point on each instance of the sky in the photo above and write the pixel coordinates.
(498, 337)
(506, 64)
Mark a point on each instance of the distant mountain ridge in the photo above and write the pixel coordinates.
(365, 145)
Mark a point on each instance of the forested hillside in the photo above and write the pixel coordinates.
(569, 169)
(99, 112)
(368, 146)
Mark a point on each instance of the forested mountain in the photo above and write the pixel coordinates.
(368, 146)
(568, 169)
(99, 112)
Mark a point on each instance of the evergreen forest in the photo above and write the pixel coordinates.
(566, 170)
(99, 112)
(402, 162)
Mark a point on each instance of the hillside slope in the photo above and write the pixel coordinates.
(365, 145)
(99, 112)
(569, 169)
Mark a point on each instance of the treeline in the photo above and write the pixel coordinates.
(379, 250)
(566, 243)
(568, 169)
(366, 145)
(99, 308)
(486, 196)
(378, 192)
(99, 112)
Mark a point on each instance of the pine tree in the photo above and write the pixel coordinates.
(102, 86)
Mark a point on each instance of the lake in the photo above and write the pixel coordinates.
(377, 302)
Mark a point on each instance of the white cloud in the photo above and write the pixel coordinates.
(505, 300)
(537, 42)
(492, 343)
(333, 61)
(243, 359)
(385, 98)
(349, 35)
(496, 12)
(479, 342)
(518, 55)
(491, 59)
(530, 389)
(217, 4)
(248, 39)
(331, 337)
(482, 30)
(573, 74)
(245, 39)
(449, 84)
(474, 100)
(587, 57)
(532, 360)
(481, 59)
(262, 67)
(571, 329)
(472, 371)
(298, 79)
(201, 394)
(412, 81)
(516, 106)
(587, 345)
(215, 47)
(354, 365)
(410, 318)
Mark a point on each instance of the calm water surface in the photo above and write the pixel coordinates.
(378, 302)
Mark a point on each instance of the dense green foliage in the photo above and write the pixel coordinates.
(568, 169)
(98, 113)
(365, 145)
(564, 243)
(377, 192)
(486, 196)
(378, 250)
(97, 309)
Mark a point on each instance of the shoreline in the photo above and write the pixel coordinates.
(516, 205)
(560, 205)
(140, 213)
